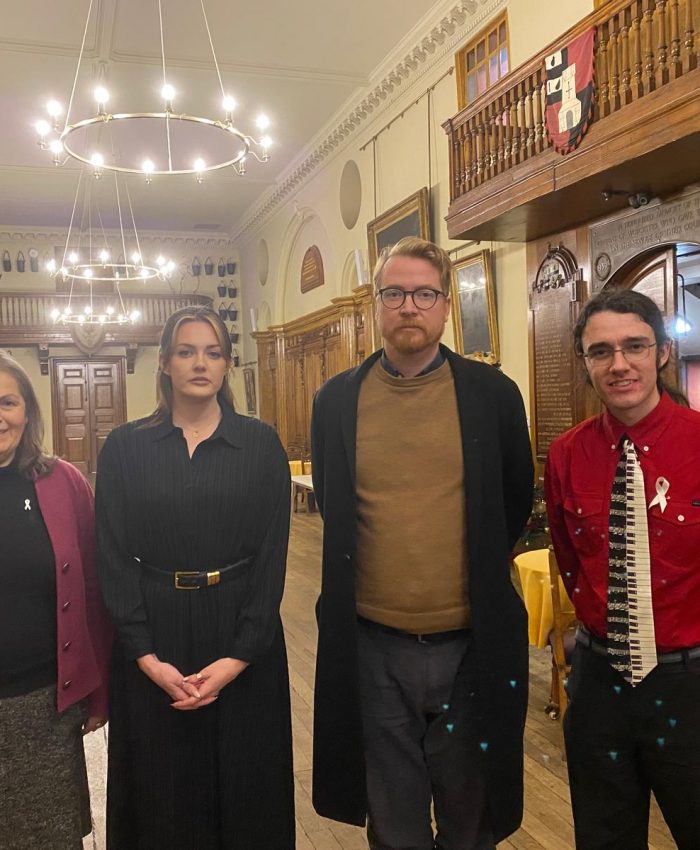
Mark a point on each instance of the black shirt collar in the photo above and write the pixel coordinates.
(229, 428)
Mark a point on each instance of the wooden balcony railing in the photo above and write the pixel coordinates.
(29, 312)
(25, 317)
(640, 47)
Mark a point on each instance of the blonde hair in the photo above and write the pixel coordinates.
(164, 386)
(30, 455)
(413, 246)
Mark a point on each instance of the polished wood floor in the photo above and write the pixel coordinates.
(548, 822)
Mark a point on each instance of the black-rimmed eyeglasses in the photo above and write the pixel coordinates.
(633, 352)
(393, 297)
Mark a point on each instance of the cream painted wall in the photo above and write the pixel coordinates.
(402, 167)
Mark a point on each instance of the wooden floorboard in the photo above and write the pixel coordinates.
(547, 825)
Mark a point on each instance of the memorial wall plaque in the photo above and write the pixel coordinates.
(311, 269)
(556, 287)
(616, 241)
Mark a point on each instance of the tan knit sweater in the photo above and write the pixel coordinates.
(411, 550)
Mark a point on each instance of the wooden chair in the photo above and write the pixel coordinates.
(562, 641)
(296, 467)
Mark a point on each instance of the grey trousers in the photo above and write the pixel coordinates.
(420, 743)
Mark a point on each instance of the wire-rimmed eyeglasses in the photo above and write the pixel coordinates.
(633, 352)
(393, 297)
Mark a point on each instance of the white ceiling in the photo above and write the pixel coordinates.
(299, 62)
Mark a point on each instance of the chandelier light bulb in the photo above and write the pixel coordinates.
(266, 143)
(161, 260)
(170, 267)
(167, 92)
(134, 315)
(109, 310)
(42, 127)
(104, 256)
(87, 310)
(229, 103)
(81, 320)
(101, 95)
(262, 122)
(73, 257)
(51, 266)
(88, 273)
(97, 160)
(54, 108)
(55, 313)
(147, 166)
(66, 311)
(144, 273)
(102, 319)
(56, 146)
(136, 257)
(199, 164)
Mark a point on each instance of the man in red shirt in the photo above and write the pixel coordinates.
(632, 569)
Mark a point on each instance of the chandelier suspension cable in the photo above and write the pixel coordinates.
(213, 52)
(77, 70)
(165, 82)
(133, 221)
(121, 225)
(72, 216)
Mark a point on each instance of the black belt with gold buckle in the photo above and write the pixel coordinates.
(196, 579)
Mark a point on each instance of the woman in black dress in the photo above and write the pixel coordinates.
(193, 511)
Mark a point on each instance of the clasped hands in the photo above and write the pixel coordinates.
(195, 690)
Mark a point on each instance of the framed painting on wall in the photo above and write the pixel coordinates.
(409, 218)
(249, 383)
(474, 309)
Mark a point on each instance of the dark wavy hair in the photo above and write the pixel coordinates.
(630, 301)
(30, 455)
(164, 386)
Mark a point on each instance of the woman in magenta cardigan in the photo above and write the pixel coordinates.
(54, 635)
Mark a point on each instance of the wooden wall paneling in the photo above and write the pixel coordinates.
(295, 359)
(267, 376)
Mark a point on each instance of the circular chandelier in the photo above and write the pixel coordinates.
(227, 145)
(88, 260)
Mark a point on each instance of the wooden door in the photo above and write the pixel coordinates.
(88, 399)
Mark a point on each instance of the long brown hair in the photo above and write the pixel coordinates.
(164, 386)
(30, 455)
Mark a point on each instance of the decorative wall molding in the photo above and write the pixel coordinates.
(55, 236)
(395, 80)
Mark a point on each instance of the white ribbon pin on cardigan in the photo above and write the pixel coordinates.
(660, 499)
(27, 506)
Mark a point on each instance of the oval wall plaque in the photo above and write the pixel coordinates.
(311, 269)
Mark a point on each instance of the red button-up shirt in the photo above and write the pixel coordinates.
(578, 482)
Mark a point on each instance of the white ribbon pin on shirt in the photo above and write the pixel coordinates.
(27, 506)
(660, 499)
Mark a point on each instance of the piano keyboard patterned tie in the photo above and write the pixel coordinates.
(631, 639)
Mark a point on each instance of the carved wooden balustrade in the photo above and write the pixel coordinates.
(641, 46)
(25, 319)
(26, 316)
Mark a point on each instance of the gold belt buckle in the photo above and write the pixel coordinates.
(213, 578)
(181, 573)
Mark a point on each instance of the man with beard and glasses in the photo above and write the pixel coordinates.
(423, 473)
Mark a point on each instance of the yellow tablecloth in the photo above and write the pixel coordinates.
(533, 568)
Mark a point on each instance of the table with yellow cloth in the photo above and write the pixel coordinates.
(533, 569)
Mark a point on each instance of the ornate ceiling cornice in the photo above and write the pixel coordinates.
(442, 40)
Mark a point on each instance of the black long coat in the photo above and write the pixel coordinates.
(498, 476)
